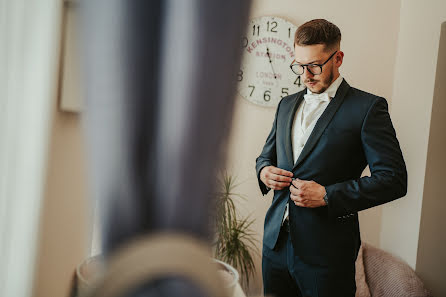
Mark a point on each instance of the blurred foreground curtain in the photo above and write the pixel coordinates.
(160, 83)
(29, 46)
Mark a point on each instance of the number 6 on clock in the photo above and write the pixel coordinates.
(265, 76)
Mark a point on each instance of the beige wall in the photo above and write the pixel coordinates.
(412, 98)
(370, 45)
(431, 258)
(64, 220)
(63, 225)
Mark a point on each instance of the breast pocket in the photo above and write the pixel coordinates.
(332, 131)
(336, 138)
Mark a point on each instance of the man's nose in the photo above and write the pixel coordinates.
(307, 73)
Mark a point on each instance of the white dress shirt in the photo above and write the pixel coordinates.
(306, 117)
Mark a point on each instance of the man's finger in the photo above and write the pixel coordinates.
(281, 172)
(298, 192)
(280, 178)
(298, 199)
(294, 190)
(277, 188)
(275, 184)
(271, 174)
(298, 183)
(296, 187)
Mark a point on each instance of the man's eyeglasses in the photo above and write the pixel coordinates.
(314, 69)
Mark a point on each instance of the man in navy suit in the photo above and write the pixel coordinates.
(321, 140)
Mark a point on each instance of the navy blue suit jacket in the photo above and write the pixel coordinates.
(354, 130)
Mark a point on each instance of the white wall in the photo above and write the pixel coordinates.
(370, 45)
(420, 24)
(431, 258)
(29, 31)
(418, 82)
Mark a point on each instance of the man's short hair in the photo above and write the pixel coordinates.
(318, 31)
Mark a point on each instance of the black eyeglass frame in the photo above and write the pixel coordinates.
(303, 66)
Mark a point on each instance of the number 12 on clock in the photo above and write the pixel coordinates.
(265, 77)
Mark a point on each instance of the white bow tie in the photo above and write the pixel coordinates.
(314, 98)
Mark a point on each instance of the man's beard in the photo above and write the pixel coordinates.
(325, 83)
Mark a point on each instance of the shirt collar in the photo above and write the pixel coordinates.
(332, 89)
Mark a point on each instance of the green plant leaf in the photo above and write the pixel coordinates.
(235, 240)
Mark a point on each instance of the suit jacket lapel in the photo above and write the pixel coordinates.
(288, 131)
(323, 122)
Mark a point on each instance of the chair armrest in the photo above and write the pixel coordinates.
(388, 275)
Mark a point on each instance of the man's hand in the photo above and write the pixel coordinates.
(307, 193)
(275, 178)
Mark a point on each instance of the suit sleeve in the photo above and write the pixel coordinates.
(268, 156)
(388, 180)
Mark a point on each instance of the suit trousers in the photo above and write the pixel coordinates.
(286, 275)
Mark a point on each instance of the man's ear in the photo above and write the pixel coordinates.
(339, 58)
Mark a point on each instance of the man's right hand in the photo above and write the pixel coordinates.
(275, 178)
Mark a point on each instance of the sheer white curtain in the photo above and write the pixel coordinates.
(29, 38)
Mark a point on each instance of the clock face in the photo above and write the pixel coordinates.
(265, 76)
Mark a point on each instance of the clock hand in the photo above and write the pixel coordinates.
(270, 62)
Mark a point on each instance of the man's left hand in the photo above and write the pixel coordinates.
(306, 193)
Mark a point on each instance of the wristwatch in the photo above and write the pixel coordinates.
(326, 198)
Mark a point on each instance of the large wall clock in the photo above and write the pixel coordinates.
(265, 76)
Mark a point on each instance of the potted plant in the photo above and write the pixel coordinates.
(233, 247)
(235, 240)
